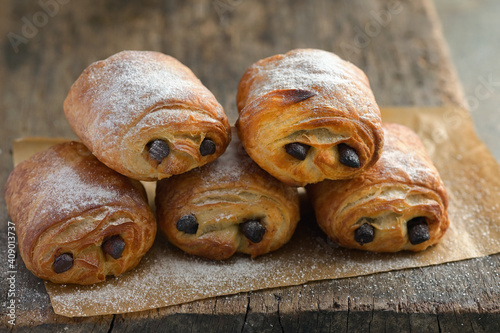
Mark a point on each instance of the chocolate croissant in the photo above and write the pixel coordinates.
(308, 115)
(146, 115)
(77, 221)
(398, 204)
(230, 205)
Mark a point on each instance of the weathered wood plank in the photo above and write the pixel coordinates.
(397, 43)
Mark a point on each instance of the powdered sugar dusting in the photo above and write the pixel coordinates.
(318, 71)
(131, 86)
(412, 163)
(223, 216)
(167, 276)
(65, 192)
(231, 165)
(409, 162)
(169, 117)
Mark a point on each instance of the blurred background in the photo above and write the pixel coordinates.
(472, 31)
(402, 55)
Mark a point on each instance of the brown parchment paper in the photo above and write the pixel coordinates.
(166, 276)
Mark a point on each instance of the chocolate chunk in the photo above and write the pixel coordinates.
(253, 230)
(207, 147)
(418, 230)
(62, 263)
(297, 150)
(158, 149)
(114, 246)
(348, 156)
(187, 224)
(364, 234)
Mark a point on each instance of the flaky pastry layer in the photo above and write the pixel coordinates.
(64, 202)
(402, 186)
(309, 97)
(221, 196)
(120, 105)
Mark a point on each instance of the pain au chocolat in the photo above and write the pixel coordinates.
(398, 204)
(146, 115)
(308, 115)
(227, 206)
(77, 221)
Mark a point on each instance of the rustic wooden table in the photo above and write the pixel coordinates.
(398, 44)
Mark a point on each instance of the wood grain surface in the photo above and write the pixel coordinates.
(46, 45)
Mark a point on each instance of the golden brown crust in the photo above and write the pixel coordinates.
(402, 185)
(311, 97)
(222, 195)
(63, 200)
(120, 104)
